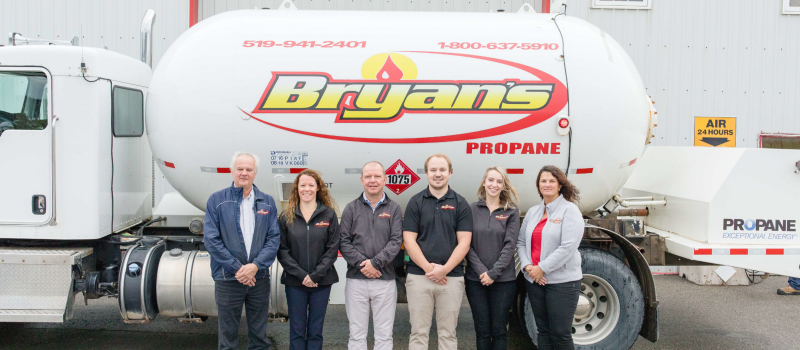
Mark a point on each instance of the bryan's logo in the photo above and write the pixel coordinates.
(501, 217)
(384, 215)
(448, 207)
(389, 88)
(263, 212)
(555, 221)
(322, 224)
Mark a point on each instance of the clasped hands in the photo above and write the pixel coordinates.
(247, 275)
(536, 274)
(368, 270)
(437, 274)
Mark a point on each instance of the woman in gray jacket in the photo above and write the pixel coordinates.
(491, 279)
(548, 252)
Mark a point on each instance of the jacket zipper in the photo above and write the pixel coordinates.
(308, 237)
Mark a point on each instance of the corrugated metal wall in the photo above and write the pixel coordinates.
(209, 8)
(736, 58)
(113, 24)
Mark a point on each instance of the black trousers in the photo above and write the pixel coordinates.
(231, 296)
(553, 309)
(490, 309)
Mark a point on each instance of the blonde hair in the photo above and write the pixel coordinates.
(508, 196)
(323, 195)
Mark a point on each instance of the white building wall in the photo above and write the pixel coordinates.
(736, 58)
(113, 24)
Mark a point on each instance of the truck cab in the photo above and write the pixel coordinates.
(76, 167)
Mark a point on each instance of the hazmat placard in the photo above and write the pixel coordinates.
(715, 131)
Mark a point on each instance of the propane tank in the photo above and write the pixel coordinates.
(332, 90)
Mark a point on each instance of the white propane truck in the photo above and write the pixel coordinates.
(82, 129)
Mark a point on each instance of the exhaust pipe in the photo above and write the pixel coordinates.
(146, 37)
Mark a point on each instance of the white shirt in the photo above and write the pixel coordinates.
(247, 220)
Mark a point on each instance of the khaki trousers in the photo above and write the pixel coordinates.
(423, 297)
(361, 295)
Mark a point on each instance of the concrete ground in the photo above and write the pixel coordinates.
(692, 317)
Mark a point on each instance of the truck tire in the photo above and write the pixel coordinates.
(612, 305)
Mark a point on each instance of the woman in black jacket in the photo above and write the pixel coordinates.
(491, 278)
(309, 247)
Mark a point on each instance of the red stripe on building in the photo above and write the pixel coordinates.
(740, 251)
(632, 162)
(775, 251)
(515, 171)
(296, 170)
(705, 251)
(584, 171)
(545, 6)
(223, 170)
(169, 165)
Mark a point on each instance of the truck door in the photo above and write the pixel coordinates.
(26, 146)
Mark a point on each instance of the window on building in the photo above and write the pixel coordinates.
(23, 101)
(791, 7)
(128, 112)
(622, 4)
(782, 141)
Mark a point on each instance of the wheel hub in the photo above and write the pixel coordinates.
(597, 311)
(584, 308)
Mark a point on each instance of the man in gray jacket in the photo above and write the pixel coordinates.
(371, 234)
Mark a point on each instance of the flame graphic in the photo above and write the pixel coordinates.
(389, 71)
(399, 169)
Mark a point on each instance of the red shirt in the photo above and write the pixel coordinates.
(536, 242)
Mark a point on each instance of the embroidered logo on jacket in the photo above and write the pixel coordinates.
(555, 221)
(501, 217)
(384, 215)
(322, 224)
(448, 207)
(262, 212)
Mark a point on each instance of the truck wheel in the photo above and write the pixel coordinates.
(610, 307)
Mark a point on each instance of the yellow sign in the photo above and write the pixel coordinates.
(715, 131)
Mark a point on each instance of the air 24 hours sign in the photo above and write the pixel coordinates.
(715, 131)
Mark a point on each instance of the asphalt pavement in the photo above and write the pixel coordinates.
(691, 317)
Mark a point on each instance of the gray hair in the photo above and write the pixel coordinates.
(239, 154)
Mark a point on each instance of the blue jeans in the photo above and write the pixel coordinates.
(307, 307)
(794, 283)
(231, 296)
(490, 309)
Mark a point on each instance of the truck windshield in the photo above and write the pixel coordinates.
(23, 101)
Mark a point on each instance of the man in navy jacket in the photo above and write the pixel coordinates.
(242, 237)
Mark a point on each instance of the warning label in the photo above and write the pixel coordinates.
(715, 131)
(399, 177)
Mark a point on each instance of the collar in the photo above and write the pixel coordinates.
(364, 196)
(320, 207)
(256, 193)
(449, 195)
(554, 204)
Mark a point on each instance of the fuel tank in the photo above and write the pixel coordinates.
(332, 90)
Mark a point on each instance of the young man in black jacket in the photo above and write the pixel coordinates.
(371, 233)
(437, 230)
